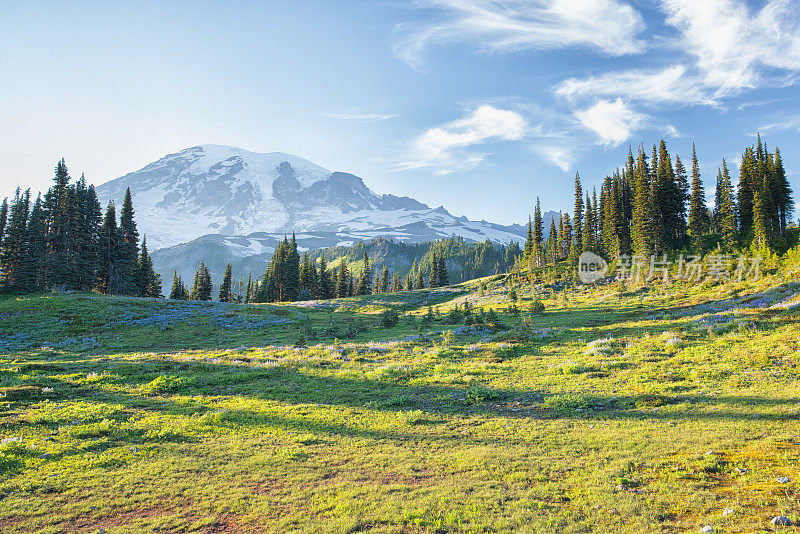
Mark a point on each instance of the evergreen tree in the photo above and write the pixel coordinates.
(365, 281)
(36, 249)
(57, 206)
(537, 233)
(3, 219)
(87, 242)
(397, 283)
(567, 240)
(588, 226)
(726, 212)
(697, 206)
(669, 200)
(108, 272)
(746, 193)
(13, 263)
(149, 280)
(433, 278)
(308, 278)
(763, 209)
(384, 283)
(248, 296)
(784, 199)
(342, 281)
(178, 290)
(442, 272)
(326, 289)
(552, 243)
(577, 223)
(225, 289)
(642, 233)
(127, 248)
(529, 241)
(420, 283)
(202, 287)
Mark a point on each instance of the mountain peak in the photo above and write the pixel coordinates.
(225, 190)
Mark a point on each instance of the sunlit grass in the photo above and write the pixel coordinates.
(652, 409)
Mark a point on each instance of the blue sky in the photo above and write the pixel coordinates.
(477, 105)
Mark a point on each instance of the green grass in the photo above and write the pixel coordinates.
(611, 412)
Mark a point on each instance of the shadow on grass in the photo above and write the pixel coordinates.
(293, 387)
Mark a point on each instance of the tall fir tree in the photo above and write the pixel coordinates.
(697, 206)
(149, 280)
(202, 287)
(746, 193)
(178, 291)
(365, 281)
(588, 224)
(36, 248)
(127, 248)
(538, 231)
(225, 288)
(57, 206)
(384, 283)
(433, 277)
(784, 200)
(248, 295)
(441, 271)
(726, 212)
(642, 232)
(13, 262)
(528, 254)
(577, 222)
(326, 289)
(3, 219)
(108, 275)
(420, 282)
(342, 281)
(87, 242)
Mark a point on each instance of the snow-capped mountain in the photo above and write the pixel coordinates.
(233, 193)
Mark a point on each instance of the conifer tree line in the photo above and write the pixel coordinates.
(654, 205)
(64, 241)
(290, 277)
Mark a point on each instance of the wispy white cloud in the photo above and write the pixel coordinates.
(446, 147)
(361, 117)
(561, 156)
(788, 123)
(726, 47)
(672, 84)
(612, 121)
(609, 26)
(735, 47)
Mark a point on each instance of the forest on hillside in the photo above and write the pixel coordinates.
(651, 205)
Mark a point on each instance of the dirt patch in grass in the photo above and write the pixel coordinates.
(119, 518)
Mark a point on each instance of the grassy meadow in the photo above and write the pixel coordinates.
(660, 408)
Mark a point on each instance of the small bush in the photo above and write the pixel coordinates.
(164, 384)
(447, 338)
(455, 316)
(537, 307)
(568, 402)
(19, 393)
(389, 318)
(478, 394)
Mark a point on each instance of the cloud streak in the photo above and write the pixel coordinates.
(669, 85)
(446, 147)
(361, 117)
(506, 26)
